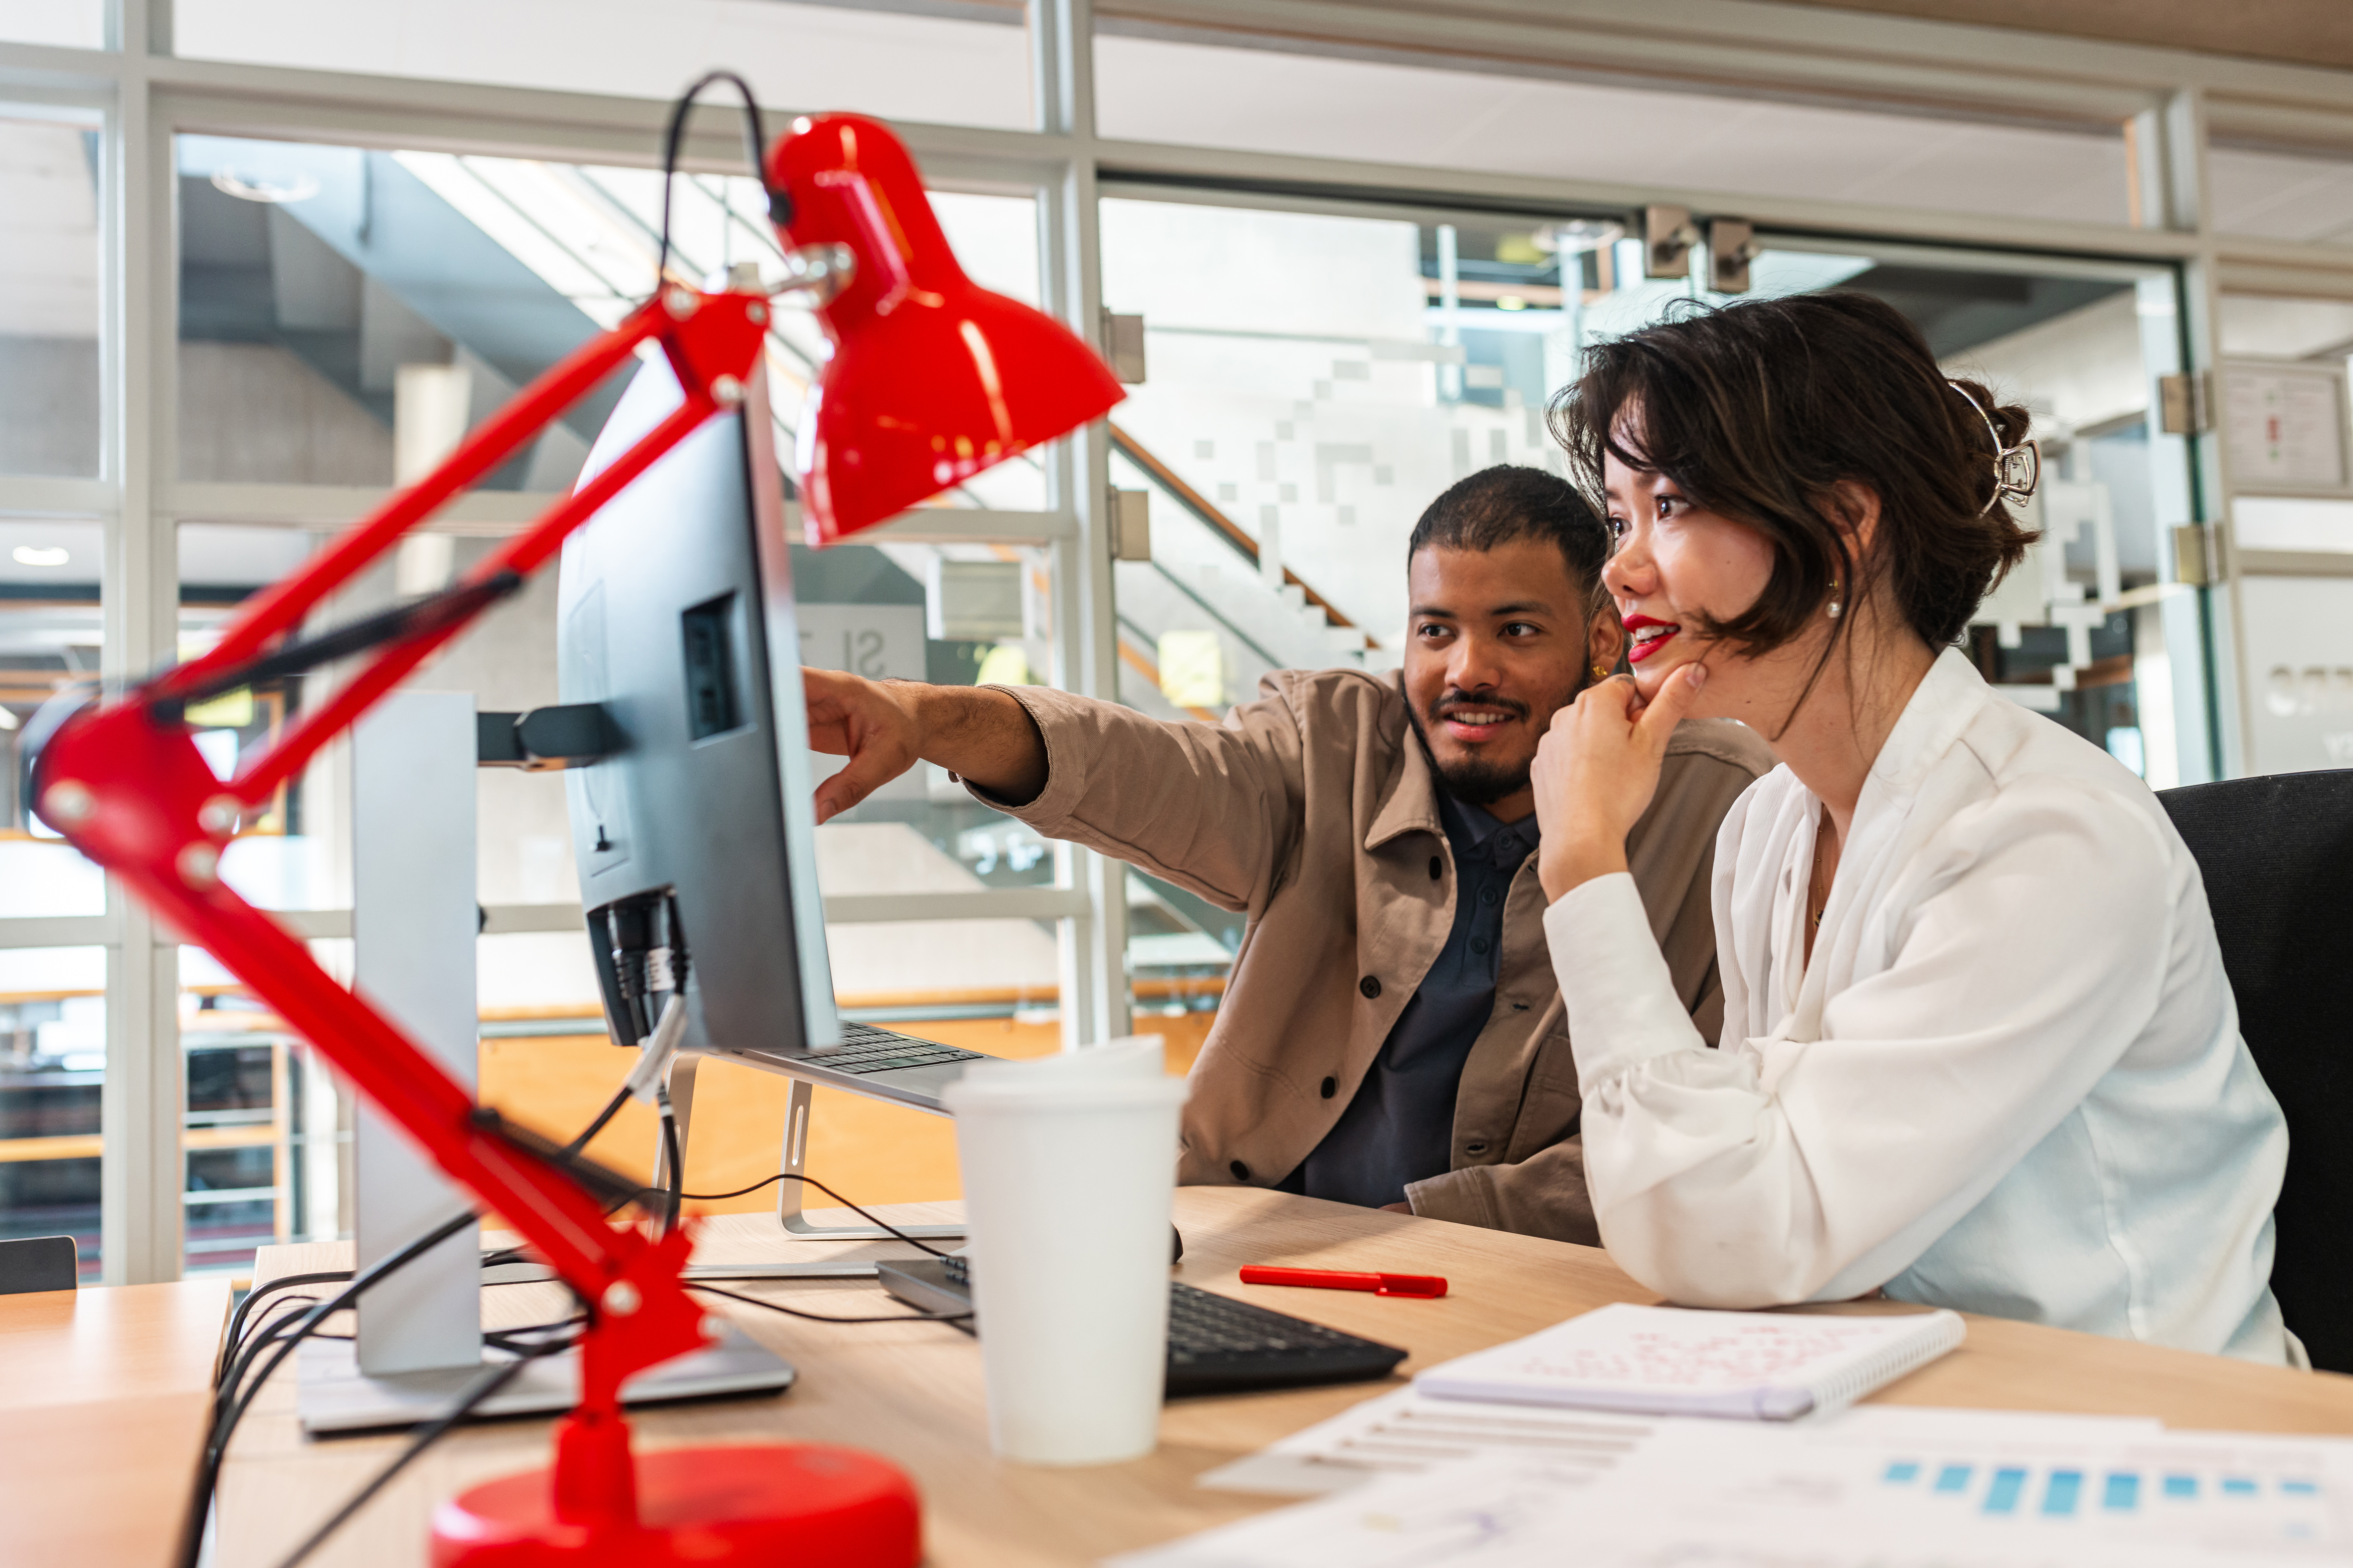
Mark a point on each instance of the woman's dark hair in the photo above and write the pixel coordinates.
(1757, 409)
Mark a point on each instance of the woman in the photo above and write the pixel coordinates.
(1979, 1048)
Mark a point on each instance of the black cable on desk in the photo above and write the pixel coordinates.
(310, 1320)
(822, 1318)
(252, 1297)
(738, 1193)
(339, 1276)
(266, 1329)
(229, 1406)
(510, 1340)
(491, 1380)
(233, 1396)
(865, 1214)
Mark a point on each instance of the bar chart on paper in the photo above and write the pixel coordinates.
(2271, 1495)
(1877, 1488)
(1996, 1488)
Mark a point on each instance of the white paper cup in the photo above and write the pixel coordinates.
(1069, 1179)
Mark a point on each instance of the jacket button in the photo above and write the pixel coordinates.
(1370, 985)
(1436, 868)
(1331, 1086)
(1241, 1171)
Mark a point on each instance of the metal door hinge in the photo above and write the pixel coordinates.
(1668, 236)
(2194, 553)
(1731, 247)
(1131, 525)
(1123, 346)
(2186, 403)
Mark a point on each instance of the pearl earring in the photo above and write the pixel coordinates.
(1835, 607)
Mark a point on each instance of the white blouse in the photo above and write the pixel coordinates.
(2010, 1081)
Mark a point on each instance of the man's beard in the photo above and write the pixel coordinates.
(1474, 780)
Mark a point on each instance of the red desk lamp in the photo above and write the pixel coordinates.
(931, 380)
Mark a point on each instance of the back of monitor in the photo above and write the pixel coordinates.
(668, 606)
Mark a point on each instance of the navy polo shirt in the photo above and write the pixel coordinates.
(1400, 1126)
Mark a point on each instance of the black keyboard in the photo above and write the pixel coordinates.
(865, 1048)
(1215, 1344)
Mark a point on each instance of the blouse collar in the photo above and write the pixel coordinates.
(1947, 699)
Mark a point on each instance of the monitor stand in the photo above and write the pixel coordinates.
(337, 1396)
(792, 1196)
(681, 1077)
(791, 1204)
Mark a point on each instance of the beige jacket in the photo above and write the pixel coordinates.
(1314, 810)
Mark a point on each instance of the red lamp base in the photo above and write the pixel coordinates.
(770, 1504)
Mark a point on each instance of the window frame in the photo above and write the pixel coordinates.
(2171, 103)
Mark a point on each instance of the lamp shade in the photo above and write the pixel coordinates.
(932, 378)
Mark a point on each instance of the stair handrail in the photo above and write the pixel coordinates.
(1226, 528)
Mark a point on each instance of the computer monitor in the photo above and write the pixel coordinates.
(668, 606)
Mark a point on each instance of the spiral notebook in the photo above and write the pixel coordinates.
(1666, 1361)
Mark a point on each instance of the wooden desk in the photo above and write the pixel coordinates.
(105, 1395)
(913, 1392)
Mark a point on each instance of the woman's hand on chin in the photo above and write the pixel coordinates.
(1594, 773)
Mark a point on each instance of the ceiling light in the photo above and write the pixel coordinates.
(1510, 302)
(271, 188)
(1576, 235)
(8, 719)
(42, 554)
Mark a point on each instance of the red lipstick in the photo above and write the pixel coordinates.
(1648, 635)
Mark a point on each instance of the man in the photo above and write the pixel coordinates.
(1387, 1036)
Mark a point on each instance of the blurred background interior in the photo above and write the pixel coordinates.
(261, 261)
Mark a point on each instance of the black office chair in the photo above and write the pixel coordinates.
(38, 1263)
(2277, 857)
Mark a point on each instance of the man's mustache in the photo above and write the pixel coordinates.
(1453, 700)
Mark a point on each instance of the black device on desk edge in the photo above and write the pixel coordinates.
(1215, 1344)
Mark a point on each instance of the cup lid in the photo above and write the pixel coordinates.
(1008, 1092)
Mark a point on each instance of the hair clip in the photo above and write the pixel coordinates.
(2016, 470)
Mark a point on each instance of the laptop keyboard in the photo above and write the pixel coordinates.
(865, 1048)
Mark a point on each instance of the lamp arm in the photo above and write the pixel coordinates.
(123, 781)
(279, 608)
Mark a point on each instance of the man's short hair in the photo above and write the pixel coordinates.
(1507, 504)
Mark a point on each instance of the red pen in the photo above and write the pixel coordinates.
(1426, 1286)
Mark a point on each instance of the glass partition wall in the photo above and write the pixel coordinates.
(264, 262)
(53, 634)
(346, 315)
(1318, 376)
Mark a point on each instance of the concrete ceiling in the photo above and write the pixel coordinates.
(2300, 31)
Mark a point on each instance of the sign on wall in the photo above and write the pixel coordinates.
(2284, 426)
